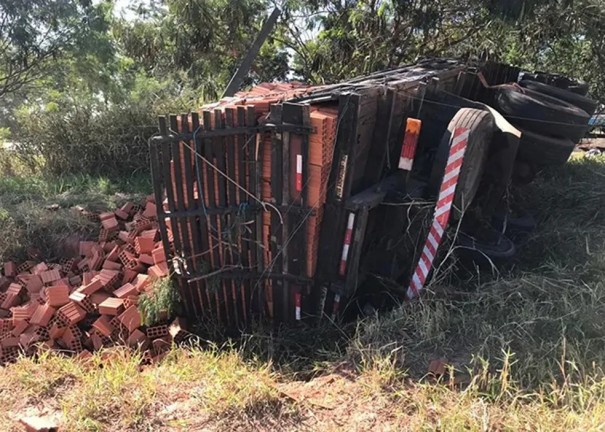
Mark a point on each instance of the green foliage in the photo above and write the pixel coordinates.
(160, 302)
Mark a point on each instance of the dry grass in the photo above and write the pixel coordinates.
(526, 350)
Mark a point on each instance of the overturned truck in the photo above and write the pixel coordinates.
(289, 201)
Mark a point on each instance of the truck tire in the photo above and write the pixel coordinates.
(544, 150)
(480, 124)
(559, 81)
(540, 113)
(581, 102)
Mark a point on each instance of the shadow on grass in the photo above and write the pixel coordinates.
(542, 319)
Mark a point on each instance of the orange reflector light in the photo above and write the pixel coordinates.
(410, 142)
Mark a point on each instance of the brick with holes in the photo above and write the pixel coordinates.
(83, 301)
(71, 313)
(157, 331)
(125, 290)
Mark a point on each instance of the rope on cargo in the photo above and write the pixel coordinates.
(264, 204)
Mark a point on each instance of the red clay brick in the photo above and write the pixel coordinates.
(144, 245)
(125, 290)
(72, 338)
(121, 214)
(50, 276)
(128, 276)
(127, 208)
(39, 268)
(72, 313)
(25, 312)
(159, 256)
(20, 327)
(42, 315)
(10, 269)
(141, 282)
(110, 223)
(157, 331)
(111, 306)
(130, 318)
(97, 340)
(103, 326)
(57, 330)
(10, 341)
(150, 210)
(146, 259)
(95, 285)
(110, 265)
(158, 271)
(34, 283)
(99, 297)
(123, 236)
(75, 280)
(113, 254)
(10, 300)
(57, 295)
(83, 301)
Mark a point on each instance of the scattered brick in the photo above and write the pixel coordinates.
(99, 297)
(159, 256)
(20, 327)
(158, 271)
(146, 259)
(86, 248)
(71, 313)
(157, 331)
(49, 276)
(10, 269)
(144, 245)
(57, 295)
(111, 306)
(42, 315)
(39, 268)
(110, 265)
(125, 290)
(130, 318)
(103, 326)
(95, 285)
(34, 283)
(83, 301)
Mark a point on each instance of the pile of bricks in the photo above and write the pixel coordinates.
(89, 301)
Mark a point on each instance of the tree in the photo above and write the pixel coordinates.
(36, 33)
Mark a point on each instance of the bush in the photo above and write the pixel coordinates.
(74, 134)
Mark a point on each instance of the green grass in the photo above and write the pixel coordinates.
(30, 228)
(525, 348)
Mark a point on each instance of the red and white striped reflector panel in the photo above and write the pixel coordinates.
(347, 244)
(299, 173)
(442, 211)
(297, 305)
(410, 142)
(335, 306)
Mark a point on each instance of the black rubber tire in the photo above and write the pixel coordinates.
(483, 254)
(481, 129)
(540, 113)
(559, 81)
(581, 102)
(544, 150)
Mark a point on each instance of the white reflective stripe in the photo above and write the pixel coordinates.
(422, 265)
(297, 313)
(443, 209)
(445, 193)
(428, 254)
(451, 174)
(405, 163)
(299, 162)
(345, 252)
(459, 138)
(351, 221)
(337, 298)
(438, 228)
(411, 293)
(433, 241)
(454, 157)
(416, 280)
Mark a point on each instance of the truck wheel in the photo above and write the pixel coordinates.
(559, 81)
(540, 113)
(480, 124)
(581, 102)
(544, 150)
